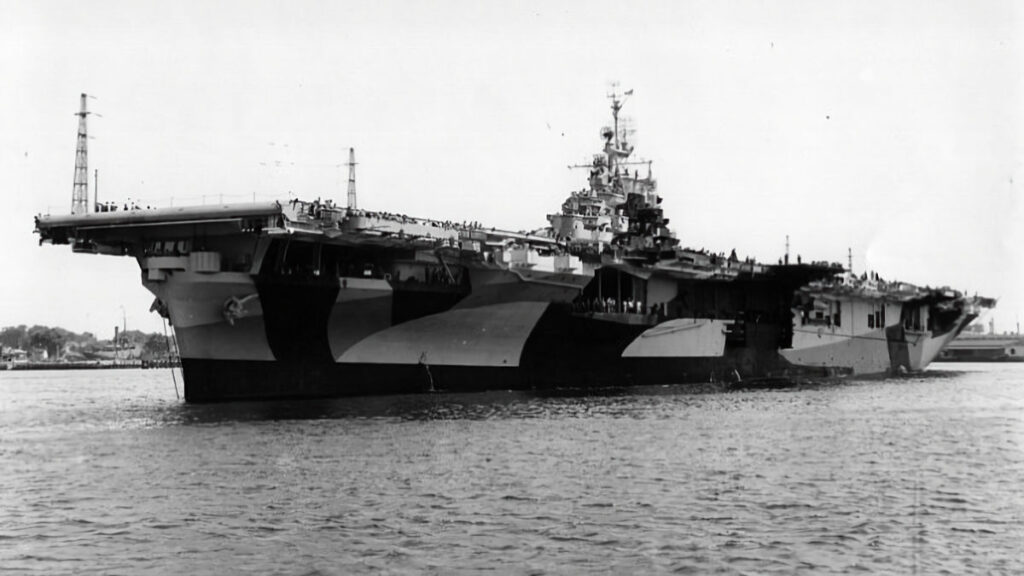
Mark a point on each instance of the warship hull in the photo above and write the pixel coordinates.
(362, 336)
(231, 380)
(541, 364)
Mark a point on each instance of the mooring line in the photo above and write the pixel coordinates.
(167, 342)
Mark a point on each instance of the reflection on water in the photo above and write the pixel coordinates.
(108, 472)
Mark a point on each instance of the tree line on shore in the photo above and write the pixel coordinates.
(56, 343)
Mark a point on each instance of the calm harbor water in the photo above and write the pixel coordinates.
(106, 472)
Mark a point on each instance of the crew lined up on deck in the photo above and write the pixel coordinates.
(317, 209)
(112, 206)
(612, 305)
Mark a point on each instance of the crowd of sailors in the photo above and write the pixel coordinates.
(619, 306)
(317, 210)
(112, 206)
(438, 276)
(314, 209)
(403, 219)
(868, 281)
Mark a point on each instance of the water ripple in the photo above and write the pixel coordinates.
(106, 472)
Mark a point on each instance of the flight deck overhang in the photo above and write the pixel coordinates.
(130, 226)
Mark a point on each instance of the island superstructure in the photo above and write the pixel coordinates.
(310, 299)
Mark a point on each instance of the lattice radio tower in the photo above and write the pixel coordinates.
(352, 178)
(80, 192)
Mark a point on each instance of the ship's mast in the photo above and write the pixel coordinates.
(80, 191)
(352, 178)
(616, 106)
(613, 160)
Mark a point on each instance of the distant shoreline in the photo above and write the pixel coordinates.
(90, 365)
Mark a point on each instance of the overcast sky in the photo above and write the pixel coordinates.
(892, 127)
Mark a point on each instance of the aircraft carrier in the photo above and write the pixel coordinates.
(312, 299)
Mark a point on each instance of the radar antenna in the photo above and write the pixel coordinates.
(617, 105)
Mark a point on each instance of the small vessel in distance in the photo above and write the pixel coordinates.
(308, 299)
